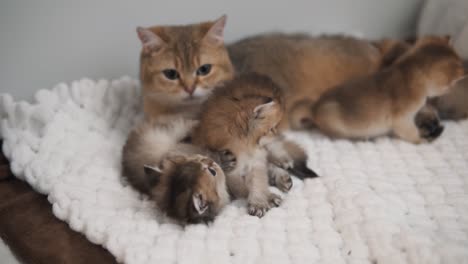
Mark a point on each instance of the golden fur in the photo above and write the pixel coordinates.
(304, 66)
(427, 119)
(230, 111)
(391, 50)
(389, 100)
(241, 117)
(453, 105)
(183, 49)
(449, 106)
(177, 176)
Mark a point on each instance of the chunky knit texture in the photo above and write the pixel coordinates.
(382, 201)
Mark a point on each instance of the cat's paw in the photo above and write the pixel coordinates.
(284, 162)
(279, 178)
(428, 124)
(274, 200)
(227, 159)
(431, 131)
(258, 209)
(283, 181)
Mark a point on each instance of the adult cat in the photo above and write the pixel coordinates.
(180, 65)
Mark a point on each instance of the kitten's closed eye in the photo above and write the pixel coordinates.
(212, 171)
(204, 69)
(171, 74)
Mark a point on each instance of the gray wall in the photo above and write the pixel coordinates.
(45, 42)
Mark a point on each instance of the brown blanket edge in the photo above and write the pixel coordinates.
(33, 233)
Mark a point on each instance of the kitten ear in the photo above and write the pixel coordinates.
(149, 40)
(214, 35)
(153, 174)
(260, 110)
(199, 203)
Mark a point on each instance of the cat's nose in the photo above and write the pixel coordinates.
(190, 89)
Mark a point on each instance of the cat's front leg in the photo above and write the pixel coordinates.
(406, 129)
(260, 199)
(428, 122)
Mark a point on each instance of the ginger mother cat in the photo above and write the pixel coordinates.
(180, 65)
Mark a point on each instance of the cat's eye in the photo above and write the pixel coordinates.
(171, 74)
(204, 69)
(212, 171)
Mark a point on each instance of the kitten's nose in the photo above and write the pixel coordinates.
(190, 89)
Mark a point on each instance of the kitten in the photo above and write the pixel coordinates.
(180, 66)
(427, 119)
(185, 181)
(389, 100)
(241, 117)
(448, 106)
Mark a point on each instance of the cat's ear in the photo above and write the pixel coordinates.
(153, 174)
(260, 111)
(149, 40)
(215, 35)
(199, 203)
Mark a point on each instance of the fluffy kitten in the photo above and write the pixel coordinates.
(185, 181)
(180, 65)
(427, 119)
(389, 100)
(241, 118)
(448, 106)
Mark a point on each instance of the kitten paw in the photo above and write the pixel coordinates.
(279, 178)
(428, 124)
(274, 200)
(283, 182)
(431, 131)
(258, 210)
(284, 162)
(228, 160)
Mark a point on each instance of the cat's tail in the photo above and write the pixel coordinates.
(299, 156)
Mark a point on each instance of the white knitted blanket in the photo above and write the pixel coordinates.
(383, 201)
